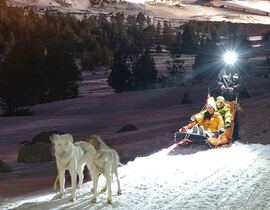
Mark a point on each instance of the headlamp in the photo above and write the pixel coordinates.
(230, 57)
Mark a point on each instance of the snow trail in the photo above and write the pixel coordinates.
(224, 178)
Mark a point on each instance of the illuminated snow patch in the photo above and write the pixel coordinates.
(26, 201)
(223, 178)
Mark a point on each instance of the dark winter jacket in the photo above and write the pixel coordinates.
(230, 79)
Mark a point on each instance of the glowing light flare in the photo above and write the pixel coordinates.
(230, 57)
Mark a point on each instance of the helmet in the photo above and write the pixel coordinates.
(211, 102)
(220, 98)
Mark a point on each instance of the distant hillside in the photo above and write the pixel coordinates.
(75, 4)
(171, 10)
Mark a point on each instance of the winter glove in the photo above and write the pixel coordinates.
(223, 88)
(192, 119)
(230, 89)
(221, 130)
(227, 125)
(216, 134)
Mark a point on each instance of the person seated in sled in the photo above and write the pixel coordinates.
(208, 122)
(225, 110)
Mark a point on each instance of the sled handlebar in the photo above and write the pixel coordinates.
(210, 93)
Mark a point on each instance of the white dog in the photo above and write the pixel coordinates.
(106, 162)
(71, 157)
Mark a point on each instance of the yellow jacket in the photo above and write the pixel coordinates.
(226, 113)
(213, 124)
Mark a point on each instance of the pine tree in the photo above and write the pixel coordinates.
(189, 38)
(119, 77)
(88, 60)
(168, 36)
(141, 20)
(144, 71)
(16, 80)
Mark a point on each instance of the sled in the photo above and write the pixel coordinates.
(184, 137)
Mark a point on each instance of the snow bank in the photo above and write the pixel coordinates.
(224, 178)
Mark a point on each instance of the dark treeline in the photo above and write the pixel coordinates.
(37, 59)
(39, 55)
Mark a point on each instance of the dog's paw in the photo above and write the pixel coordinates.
(58, 196)
(93, 200)
(119, 192)
(92, 190)
(71, 199)
(109, 201)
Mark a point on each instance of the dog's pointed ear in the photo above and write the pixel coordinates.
(52, 138)
(70, 138)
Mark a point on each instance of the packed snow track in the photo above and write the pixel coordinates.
(226, 178)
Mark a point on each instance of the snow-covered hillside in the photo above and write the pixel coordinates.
(226, 178)
(156, 9)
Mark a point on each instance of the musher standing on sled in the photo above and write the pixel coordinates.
(228, 84)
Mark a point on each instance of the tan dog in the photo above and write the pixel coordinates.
(106, 162)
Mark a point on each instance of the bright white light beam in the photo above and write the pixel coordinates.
(230, 57)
